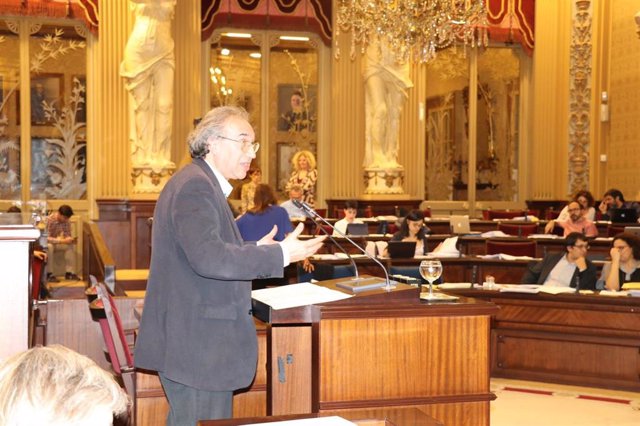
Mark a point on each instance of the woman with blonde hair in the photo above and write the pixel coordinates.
(304, 174)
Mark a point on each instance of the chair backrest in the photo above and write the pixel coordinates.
(327, 229)
(115, 340)
(552, 214)
(502, 214)
(518, 229)
(514, 248)
(322, 212)
(37, 265)
(426, 212)
(613, 230)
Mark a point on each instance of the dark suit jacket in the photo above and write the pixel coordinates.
(197, 326)
(538, 272)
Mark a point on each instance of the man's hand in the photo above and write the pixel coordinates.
(603, 207)
(268, 239)
(615, 255)
(299, 250)
(581, 263)
(549, 227)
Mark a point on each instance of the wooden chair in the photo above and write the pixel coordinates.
(514, 248)
(104, 309)
(518, 229)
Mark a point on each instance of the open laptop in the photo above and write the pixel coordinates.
(624, 216)
(357, 229)
(459, 224)
(401, 249)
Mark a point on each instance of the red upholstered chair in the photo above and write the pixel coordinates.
(552, 214)
(518, 229)
(514, 248)
(502, 214)
(368, 211)
(322, 212)
(392, 228)
(327, 229)
(104, 309)
(426, 212)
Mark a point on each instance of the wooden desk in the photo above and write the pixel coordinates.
(372, 417)
(575, 339)
(381, 349)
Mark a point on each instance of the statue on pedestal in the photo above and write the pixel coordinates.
(386, 82)
(148, 68)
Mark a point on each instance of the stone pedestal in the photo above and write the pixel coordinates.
(384, 180)
(150, 180)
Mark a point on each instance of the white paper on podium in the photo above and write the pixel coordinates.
(294, 295)
(324, 421)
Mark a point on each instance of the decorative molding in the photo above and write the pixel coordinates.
(13, 25)
(34, 27)
(637, 19)
(580, 96)
(81, 30)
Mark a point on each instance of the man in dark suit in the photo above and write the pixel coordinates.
(565, 269)
(197, 328)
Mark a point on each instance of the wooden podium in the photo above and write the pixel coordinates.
(381, 349)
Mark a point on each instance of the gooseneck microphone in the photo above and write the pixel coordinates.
(357, 283)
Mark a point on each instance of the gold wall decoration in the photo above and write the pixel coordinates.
(580, 96)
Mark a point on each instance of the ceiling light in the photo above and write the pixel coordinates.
(237, 35)
(294, 38)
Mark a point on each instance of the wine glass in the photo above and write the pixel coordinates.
(430, 271)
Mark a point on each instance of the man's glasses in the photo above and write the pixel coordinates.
(581, 246)
(246, 145)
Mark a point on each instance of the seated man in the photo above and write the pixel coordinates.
(612, 200)
(565, 269)
(61, 243)
(577, 222)
(295, 193)
(350, 212)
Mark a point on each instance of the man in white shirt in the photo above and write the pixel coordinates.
(565, 269)
(295, 193)
(350, 212)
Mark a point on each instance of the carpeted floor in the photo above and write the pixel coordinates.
(524, 403)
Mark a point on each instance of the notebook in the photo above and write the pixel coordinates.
(357, 229)
(401, 249)
(459, 224)
(624, 216)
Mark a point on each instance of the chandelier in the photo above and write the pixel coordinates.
(415, 29)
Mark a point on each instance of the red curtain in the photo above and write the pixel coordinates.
(83, 10)
(291, 15)
(512, 21)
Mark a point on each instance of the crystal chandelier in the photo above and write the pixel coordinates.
(415, 29)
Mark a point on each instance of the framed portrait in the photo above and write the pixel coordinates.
(47, 88)
(291, 114)
(81, 112)
(285, 152)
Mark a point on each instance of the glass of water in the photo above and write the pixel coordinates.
(430, 270)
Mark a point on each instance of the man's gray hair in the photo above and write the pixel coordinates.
(56, 386)
(212, 126)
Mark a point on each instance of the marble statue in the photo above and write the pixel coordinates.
(386, 82)
(148, 68)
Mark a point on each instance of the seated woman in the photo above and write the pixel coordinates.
(259, 220)
(413, 229)
(586, 201)
(625, 262)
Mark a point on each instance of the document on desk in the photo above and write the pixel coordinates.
(519, 288)
(324, 421)
(294, 295)
(555, 290)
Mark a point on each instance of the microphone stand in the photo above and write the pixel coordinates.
(313, 215)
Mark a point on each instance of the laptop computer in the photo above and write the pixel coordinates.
(401, 249)
(459, 224)
(357, 229)
(624, 216)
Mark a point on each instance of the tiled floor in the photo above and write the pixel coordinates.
(524, 403)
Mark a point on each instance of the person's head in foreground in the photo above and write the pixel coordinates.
(56, 386)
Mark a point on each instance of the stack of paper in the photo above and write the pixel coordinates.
(631, 286)
(519, 288)
(494, 234)
(504, 256)
(293, 295)
(555, 290)
(544, 236)
(613, 293)
(447, 248)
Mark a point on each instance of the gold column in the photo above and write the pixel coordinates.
(548, 149)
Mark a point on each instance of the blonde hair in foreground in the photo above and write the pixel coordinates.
(54, 385)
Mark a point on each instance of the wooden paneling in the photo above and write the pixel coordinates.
(290, 370)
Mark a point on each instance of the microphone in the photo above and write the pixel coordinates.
(368, 283)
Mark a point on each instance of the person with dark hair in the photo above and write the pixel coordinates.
(350, 212)
(577, 222)
(625, 262)
(197, 330)
(612, 200)
(565, 269)
(60, 243)
(413, 229)
(257, 222)
(14, 209)
(586, 201)
(249, 189)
